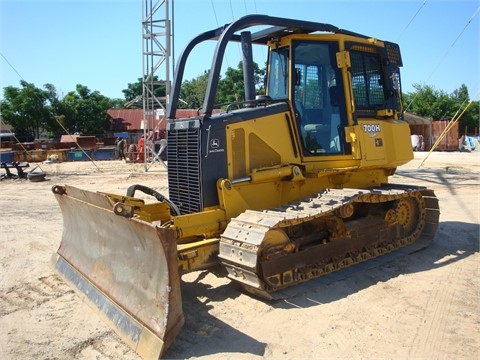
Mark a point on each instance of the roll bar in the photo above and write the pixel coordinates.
(227, 33)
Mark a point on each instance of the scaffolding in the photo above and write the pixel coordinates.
(156, 56)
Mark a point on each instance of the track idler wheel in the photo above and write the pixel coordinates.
(410, 214)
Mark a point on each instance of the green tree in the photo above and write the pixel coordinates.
(461, 94)
(57, 109)
(85, 111)
(135, 90)
(27, 109)
(192, 92)
(469, 120)
(231, 88)
(426, 101)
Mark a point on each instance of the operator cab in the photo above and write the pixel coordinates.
(317, 91)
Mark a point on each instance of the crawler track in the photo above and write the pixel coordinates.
(266, 251)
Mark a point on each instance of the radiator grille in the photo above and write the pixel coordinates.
(184, 177)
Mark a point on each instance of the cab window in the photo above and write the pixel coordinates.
(318, 98)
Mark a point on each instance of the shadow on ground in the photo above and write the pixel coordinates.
(204, 334)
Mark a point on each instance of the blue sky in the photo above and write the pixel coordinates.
(98, 43)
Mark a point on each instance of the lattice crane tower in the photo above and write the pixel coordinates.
(156, 56)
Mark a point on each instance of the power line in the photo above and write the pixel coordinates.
(448, 128)
(454, 42)
(1, 120)
(239, 47)
(411, 20)
(446, 53)
(216, 20)
(38, 98)
(8, 62)
(214, 13)
(231, 10)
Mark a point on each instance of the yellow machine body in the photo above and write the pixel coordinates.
(278, 189)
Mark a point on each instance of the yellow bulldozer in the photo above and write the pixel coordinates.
(278, 189)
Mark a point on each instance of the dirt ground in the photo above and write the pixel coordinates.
(421, 305)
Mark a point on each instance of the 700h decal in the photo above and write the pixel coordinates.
(372, 128)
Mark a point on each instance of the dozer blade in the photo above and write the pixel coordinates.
(125, 268)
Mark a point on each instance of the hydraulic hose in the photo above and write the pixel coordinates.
(149, 191)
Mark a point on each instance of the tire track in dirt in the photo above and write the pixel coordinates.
(32, 294)
(430, 339)
(93, 344)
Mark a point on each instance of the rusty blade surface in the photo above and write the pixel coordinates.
(124, 267)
